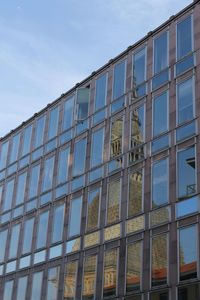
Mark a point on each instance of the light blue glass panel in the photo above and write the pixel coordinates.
(97, 147)
(3, 155)
(39, 257)
(82, 126)
(31, 205)
(24, 161)
(21, 188)
(184, 37)
(53, 283)
(185, 131)
(3, 239)
(51, 145)
(78, 183)
(42, 230)
(119, 80)
(17, 212)
(15, 148)
(61, 191)
(72, 246)
(12, 169)
(79, 157)
(25, 261)
(96, 174)
(53, 123)
(160, 79)
(55, 251)
(1, 270)
(39, 134)
(160, 182)
(48, 174)
(11, 266)
(139, 61)
(82, 102)
(34, 179)
(160, 114)
(1, 190)
(21, 288)
(114, 164)
(99, 116)
(58, 221)
(185, 100)
(8, 290)
(185, 64)
(5, 218)
(26, 140)
(66, 136)
(63, 166)
(37, 153)
(28, 234)
(160, 52)
(68, 113)
(160, 144)
(2, 175)
(100, 92)
(118, 105)
(14, 241)
(36, 286)
(75, 216)
(8, 195)
(46, 198)
(186, 207)
(141, 90)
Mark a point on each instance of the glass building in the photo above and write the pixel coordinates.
(99, 191)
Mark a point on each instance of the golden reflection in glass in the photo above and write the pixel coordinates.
(91, 239)
(114, 193)
(89, 278)
(53, 281)
(70, 281)
(135, 193)
(110, 273)
(116, 138)
(93, 209)
(160, 216)
(133, 268)
(159, 260)
(135, 224)
(137, 127)
(73, 246)
(112, 232)
(136, 154)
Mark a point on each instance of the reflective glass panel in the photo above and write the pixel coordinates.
(28, 234)
(55, 251)
(160, 182)
(189, 292)
(185, 64)
(137, 127)
(139, 68)
(27, 140)
(36, 286)
(63, 166)
(1, 190)
(116, 138)
(39, 133)
(70, 281)
(160, 114)
(21, 288)
(8, 289)
(82, 102)
(34, 179)
(97, 147)
(68, 113)
(42, 230)
(185, 131)
(112, 232)
(99, 116)
(52, 283)
(48, 174)
(91, 239)
(160, 79)
(81, 126)
(37, 153)
(50, 145)
(133, 266)
(11, 266)
(161, 52)
(96, 174)
(39, 257)
(118, 105)
(184, 37)
(135, 204)
(3, 239)
(119, 80)
(162, 295)
(160, 143)
(25, 262)
(3, 155)
(73, 246)
(137, 154)
(12, 169)
(21, 184)
(135, 224)
(14, 238)
(53, 123)
(160, 216)
(89, 278)
(114, 196)
(77, 183)
(58, 221)
(61, 191)
(159, 260)
(66, 136)
(100, 92)
(110, 273)
(93, 209)
(15, 148)
(79, 157)
(186, 207)
(185, 96)
(75, 216)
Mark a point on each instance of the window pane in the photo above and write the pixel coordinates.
(185, 100)
(89, 278)
(160, 182)
(186, 207)
(14, 238)
(36, 286)
(139, 61)
(97, 147)
(100, 93)
(42, 230)
(110, 273)
(79, 157)
(53, 123)
(27, 140)
(15, 148)
(1, 191)
(186, 172)
(116, 138)
(3, 155)
(135, 193)
(93, 209)
(119, 79)
(114, 195)
(160, 114)
(21, 188)
(48, 174)
(137, 126)
(75, 216)
(162, 295)
(82, 102)
(184, 37)
(159, 216)
(39, 134)
(3, 239)
(8, 289)
(189, 292)
(188, 253)
(63, 166)
(133, 268)
(58, 223)
(8, 195)
(52, 283)
(68, 113)
(160, 52)
(70, 281)
(28, 233)
(21, 289)
(159, 260)
(34, 179)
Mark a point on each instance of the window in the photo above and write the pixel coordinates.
(21, 288)
(185, 94)
(110, 273)
(159, 260)
(160, 114)
(21, 184)
(34, 179)
(135, 204)
(161, 52)
(14, 238)
(68, 113)
(42, 230)
(28, 234)
(162, 295)
(15, 148)
(160, 182)
(113, 206)
(39, 133)
(93, 209)
(137, 127)
(184, 37)
(8, 289)
(82, 102)
(75, 216)
(119, 80)
(189, 292)
(52, 283)
(37, 286)
(79, 157)
(139, 67)
(89, 278)
(133, 266)
(188, 253)
(58, 221)
(48, 174)
(26, 140)
(63, 165)
(3, 239)
(100, 92)
(116, 138)
(97, 147)
(8, 195)
(3, 155)
(53, 123)
(186, 172)
(70, 281)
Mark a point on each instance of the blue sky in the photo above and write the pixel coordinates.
(48, 46)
